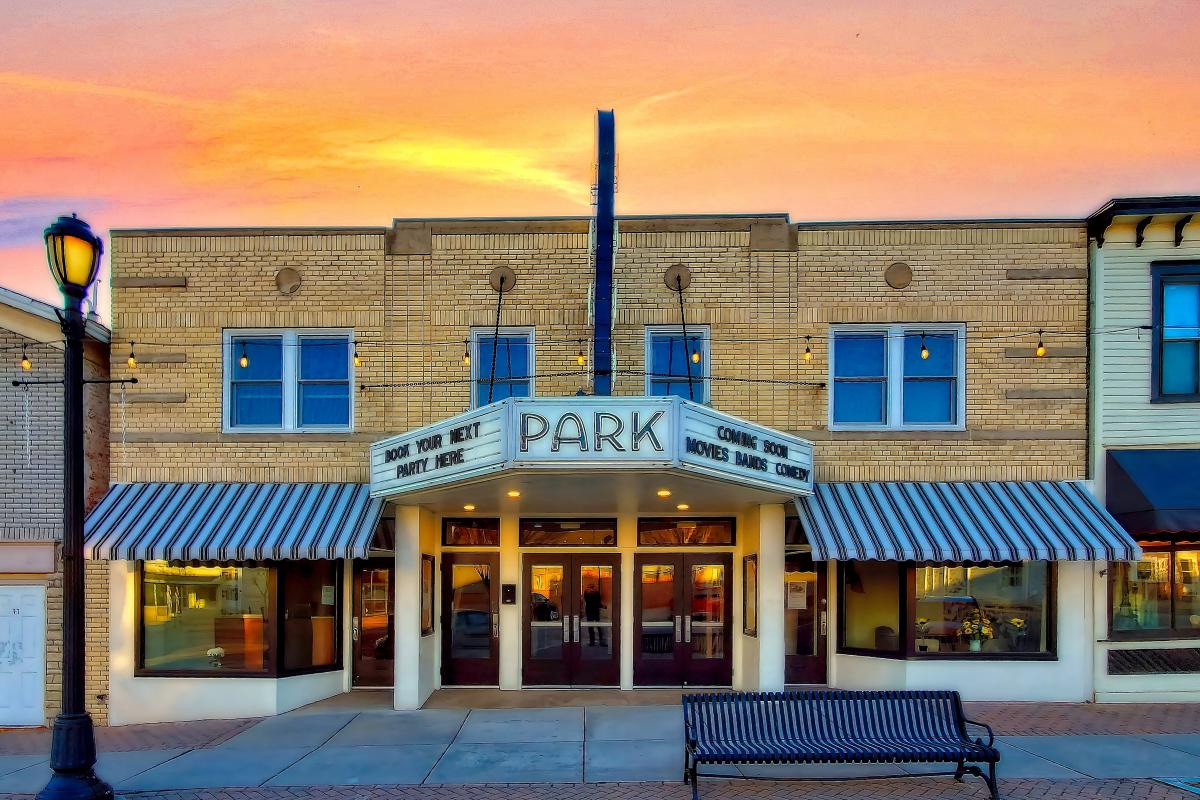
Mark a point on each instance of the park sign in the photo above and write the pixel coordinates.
(591, 433)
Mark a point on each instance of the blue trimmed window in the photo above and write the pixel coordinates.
(1176, 350)
(512, 354)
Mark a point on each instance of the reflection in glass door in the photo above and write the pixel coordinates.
(470, 619)
(805, 620)
(372, 626)
(682, 631)
(571, 608)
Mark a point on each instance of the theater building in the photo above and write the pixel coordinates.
(1145, 422)
(627, 452)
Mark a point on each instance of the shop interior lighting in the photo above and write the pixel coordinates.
(469, 507)
(683, 506)
(663, 492)
(513, 493)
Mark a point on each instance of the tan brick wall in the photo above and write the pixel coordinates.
(412, 313)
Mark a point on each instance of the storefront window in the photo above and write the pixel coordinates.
(992, 609)
(672, 532)
(206, 619)
(871, 596)
(310, 614)
(236, 619)
(1157, 596)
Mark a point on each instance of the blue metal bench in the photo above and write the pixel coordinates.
(834, 727)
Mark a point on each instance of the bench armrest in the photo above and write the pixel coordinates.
(991, 737)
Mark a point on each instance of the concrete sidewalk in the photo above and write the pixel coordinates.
(565, 745)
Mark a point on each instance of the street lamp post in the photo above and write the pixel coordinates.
(74, 255)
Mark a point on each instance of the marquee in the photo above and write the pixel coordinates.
(591, 433)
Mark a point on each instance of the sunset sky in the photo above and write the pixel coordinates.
(146, 113)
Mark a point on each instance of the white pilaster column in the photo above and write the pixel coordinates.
(771, 593)
(407, 614)
(510, 616)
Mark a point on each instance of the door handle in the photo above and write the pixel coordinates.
(354, 630)
(566, 630)
(678, 629)
(687, 628)
(495, 625)
(576, 629)
(824, 622)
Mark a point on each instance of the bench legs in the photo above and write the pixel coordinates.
(989, 778)
(991, 781)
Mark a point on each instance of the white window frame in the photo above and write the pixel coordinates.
(697, 332)
(894, 361)
(480, 371)
(290, 377)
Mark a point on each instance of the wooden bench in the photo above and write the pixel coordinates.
(834, 727)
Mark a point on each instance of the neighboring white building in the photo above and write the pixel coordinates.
(1145, 443)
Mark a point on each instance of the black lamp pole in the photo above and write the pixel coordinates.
(73, 742)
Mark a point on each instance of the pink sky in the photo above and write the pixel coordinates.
(287, 112)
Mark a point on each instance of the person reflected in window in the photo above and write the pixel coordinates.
(593, 602)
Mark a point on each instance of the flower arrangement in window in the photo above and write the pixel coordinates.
(977, 628)
(215, 654)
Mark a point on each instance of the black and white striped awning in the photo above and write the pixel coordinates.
(961, 522)
(232, 521)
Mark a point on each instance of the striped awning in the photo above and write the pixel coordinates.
(232, 521)
(961, 522)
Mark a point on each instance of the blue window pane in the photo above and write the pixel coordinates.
(501, 391)
(858, 355)
(669, 354)
(512, 357)
(1181, 310)
(1179, 368)
(678, 389)
(324, 404)
(257, 404)
(941, 359)
(930, 402)
(264, 359)
(324, 359)
(858, 401)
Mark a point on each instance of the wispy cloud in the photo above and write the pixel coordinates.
(43, 83)
(22, 219)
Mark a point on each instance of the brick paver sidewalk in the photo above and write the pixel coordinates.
(924, 789)
(156, 736)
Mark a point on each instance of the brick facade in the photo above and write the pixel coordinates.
(413, 293)
(31, 482)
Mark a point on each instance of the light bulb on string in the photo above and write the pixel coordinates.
(695, 353)
(924, 349)
(26, 364)
(132, 360)
(357, 358)
(466, 358)
(1040, 352)
(244, 361)
(580, 358)
(808, 348)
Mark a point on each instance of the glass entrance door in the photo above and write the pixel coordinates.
(682, 619)
(571, 620)
(470, 619)
(805, 620)
(372, 628)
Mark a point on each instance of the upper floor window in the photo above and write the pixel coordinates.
(1176, 332)
(501, 365)
(675, 366)
(897, 376)
(288, 380)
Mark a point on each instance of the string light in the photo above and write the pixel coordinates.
(357, 360)
(1040, 352)
(924, 349)
(26, 364)
(466, 359)
(580, 359)
(132, 360)
(695, 353)
(244, 361)
(808, 348)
